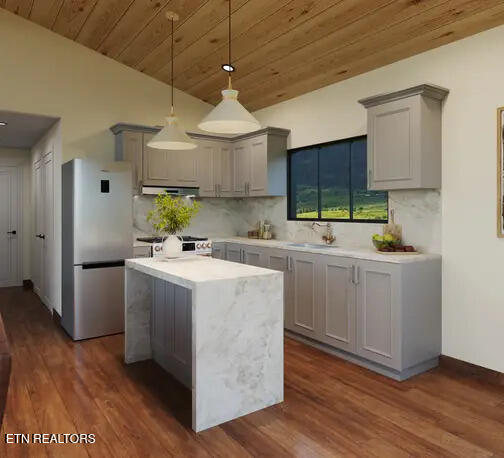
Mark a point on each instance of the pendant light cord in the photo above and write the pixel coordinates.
(229, 55)
(172, 102)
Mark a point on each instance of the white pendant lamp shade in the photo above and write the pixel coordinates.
(171, 137)
(229, 117)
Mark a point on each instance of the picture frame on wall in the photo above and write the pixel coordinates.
(500, 172)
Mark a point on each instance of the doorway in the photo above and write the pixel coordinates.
(27, 201)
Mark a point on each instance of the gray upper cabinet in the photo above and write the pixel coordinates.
(260, 163)
(249, 165)
(129, 147)
(169, 168)
(215, 164)
(404, 138)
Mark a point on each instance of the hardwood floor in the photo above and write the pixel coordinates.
(332, 408)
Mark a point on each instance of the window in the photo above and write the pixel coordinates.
(328, 182)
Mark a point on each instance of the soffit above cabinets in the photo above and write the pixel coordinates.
(281, 48)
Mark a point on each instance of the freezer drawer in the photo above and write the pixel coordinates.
(98, 306)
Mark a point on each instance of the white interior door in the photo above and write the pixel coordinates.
(47, 240)
(38, 247)
(9, 230)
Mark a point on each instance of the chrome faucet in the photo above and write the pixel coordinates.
(328, 237)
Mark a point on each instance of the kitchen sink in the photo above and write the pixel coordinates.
(311, 245)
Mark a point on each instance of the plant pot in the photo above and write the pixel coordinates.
(172, 246)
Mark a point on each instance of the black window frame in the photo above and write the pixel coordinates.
(330, 220)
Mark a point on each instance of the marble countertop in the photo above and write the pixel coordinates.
(191, 270)
(356, 253)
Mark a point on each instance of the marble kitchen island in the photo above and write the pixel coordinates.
(215, 325)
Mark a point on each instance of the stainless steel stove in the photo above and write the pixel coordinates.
(197, 245)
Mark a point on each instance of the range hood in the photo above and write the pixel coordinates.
(174, 191)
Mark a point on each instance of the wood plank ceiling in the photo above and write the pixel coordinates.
(281, 48)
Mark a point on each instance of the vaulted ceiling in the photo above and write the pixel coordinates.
(281, 48)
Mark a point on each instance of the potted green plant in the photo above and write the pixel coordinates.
(170, 216)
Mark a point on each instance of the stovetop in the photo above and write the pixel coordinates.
(185, 238)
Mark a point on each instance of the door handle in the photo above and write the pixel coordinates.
(12, 232)
(40, 236)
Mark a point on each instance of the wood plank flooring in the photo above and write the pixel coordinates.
(332, 408)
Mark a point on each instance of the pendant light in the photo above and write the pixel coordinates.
(171, 136)
(230, 116)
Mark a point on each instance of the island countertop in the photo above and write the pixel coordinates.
(189, 271)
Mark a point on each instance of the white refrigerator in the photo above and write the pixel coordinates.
(97, 219)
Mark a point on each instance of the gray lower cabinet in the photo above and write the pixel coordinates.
(385, 316)
(336, 301)
(219, 250)
(234, 252)
(301, 310)
(253, 256)
(378, 310)
(172, 329)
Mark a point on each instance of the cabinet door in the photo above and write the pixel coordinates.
(258, 180)
(226, 171)
(337, 302)
(301, 304)
(219, 250)
(129, 147)
(157, 165)
(254, 256)
(171, 329)
(393, 145)
(206, 170)
(185, 164)
(378, 312)
(234, 252)
(241, 155)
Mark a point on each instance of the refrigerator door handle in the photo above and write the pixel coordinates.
(102, 265)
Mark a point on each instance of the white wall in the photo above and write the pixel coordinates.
(473, 257)
(44, 73)
(21, 157)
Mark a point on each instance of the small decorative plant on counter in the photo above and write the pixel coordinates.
(170, 216)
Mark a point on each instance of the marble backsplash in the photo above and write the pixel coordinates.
(418, 211)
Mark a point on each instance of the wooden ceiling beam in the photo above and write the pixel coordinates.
(446, 34)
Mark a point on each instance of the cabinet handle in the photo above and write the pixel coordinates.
(289, 264)
(370, 176)
(355, 275)
(219, 188)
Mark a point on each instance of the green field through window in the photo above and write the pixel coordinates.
(329, 182)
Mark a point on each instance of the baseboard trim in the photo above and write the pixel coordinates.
(375, 367)
(27, 284)
(472, 370)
